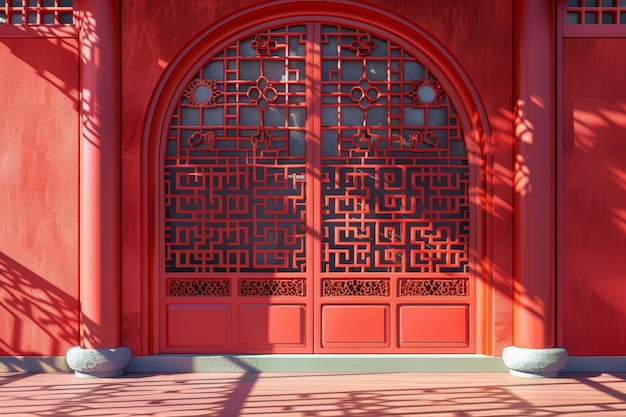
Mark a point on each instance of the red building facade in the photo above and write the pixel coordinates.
(222, 179)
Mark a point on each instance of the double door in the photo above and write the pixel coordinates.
(315, 191)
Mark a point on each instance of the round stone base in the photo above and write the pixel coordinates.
(98, 363)
(534, 363)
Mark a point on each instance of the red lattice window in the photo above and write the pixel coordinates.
(394, 174)
(596, 12)
(389, 172)
(314, 197)
(235, 169)
(351, 146)
(36, 12)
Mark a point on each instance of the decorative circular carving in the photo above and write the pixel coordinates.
(365, 94)
(262, 94)
(202, 93)
(263, 44)
(363, 45)
(426, 92)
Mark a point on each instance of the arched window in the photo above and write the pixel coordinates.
(316, 199)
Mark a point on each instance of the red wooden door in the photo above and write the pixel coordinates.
(316, 200)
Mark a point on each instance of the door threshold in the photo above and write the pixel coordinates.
(357, 363)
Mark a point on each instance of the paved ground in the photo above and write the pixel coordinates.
(386, 394)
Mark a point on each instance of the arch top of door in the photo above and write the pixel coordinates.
(247, 20)
(260, 17)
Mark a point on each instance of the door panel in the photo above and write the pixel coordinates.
(182, 325)
(276, 325)
(316, 200)
(236, 195)
(352, 326)
(393, 195)
(430, 325)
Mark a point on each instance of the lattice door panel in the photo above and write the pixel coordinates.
(393, 191)
(316, 199)
(237, 245)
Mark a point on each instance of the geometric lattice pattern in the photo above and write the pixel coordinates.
(596, 12)
(431, 287)
(36, 12)
(235, 167)
(394, 168)
(355, 133)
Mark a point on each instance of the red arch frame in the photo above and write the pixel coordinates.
(434, 55)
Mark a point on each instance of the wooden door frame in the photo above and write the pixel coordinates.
(431, 53)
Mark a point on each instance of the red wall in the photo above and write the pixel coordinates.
(39, 138)
(593, 283)
(477, 33)
(38, 195)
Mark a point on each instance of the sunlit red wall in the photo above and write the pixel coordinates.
(38, 195)
(39, 136)
(477, 33)
(593, 214)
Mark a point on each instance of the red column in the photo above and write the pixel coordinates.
(100, 172)
(534, 178)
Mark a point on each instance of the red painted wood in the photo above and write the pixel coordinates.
(183, 330)
(100, 176)
(38, 195)
(593, 235)
(158, 50)
(387, 219)
(435, 325)
(534, 180)
(153, 40)
(277, 325)
(355, 326)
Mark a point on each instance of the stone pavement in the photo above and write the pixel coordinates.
(312, 395)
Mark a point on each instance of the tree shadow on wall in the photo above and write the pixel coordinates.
(53, 59)
(36, 317)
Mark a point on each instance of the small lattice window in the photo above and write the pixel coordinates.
(36, 12)
(596, 12)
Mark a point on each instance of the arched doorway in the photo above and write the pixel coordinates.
(312, 192)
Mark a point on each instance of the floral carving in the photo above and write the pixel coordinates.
(202, 93)
(376, 287)
(272, 287)
(363, 45)
(198, 287)
(426, 92)
(263, 44)
(262, 94)
(364, 93)
(433, 287)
